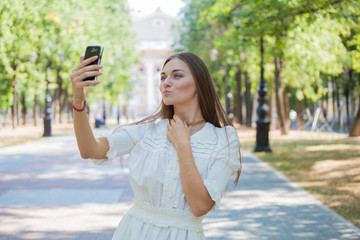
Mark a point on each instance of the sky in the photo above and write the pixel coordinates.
(144, 7)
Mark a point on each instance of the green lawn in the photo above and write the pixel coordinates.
(326, 165)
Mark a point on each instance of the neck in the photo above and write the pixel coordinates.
(188, 114)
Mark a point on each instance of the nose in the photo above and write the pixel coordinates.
(167, 82)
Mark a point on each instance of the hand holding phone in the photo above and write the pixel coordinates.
(93, 50)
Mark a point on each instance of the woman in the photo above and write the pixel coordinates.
(181, 158)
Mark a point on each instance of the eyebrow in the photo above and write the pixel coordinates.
(175, 70)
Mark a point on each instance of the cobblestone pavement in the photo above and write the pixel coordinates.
(48, 192)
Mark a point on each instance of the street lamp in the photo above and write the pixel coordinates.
(228, 96)
(47, 118)
(262, 110)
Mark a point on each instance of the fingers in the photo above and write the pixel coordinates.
(78, 86)
(81, 72)
(85, 74)
(83, 63)
(176, 122)
(89, 83)
(88, 71)
(177, 119)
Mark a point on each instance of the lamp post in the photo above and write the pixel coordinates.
(262, 110)
(228, 97)
(47, 118)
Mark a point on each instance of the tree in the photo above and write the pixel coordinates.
(276, 20)
(35, 34)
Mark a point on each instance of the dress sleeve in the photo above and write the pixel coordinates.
(122, 141)
(226, 164)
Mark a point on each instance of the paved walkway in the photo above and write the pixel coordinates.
(48, 192)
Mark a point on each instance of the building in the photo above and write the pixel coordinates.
(155, 39)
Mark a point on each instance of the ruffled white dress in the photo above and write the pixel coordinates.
(160, 210)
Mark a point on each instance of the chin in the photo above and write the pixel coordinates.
(168, 103)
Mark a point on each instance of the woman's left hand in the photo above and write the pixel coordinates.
(178, 132)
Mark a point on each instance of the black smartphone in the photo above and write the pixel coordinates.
(93, 50)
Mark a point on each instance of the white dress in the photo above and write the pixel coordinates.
(160, 210)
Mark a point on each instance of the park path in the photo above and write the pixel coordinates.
(48, 192)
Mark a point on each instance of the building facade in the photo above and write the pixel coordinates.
(154, 40)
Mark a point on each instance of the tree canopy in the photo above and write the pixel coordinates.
(42, 40)
(306, 42)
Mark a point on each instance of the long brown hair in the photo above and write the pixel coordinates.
(209, 102)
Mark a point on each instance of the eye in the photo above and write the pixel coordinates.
(162, 78)
(177, 75)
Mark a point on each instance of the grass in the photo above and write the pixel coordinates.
(327, 165)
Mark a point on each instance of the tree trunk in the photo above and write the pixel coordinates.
(347, 104)
(14, 107)
(248, 99)
(55, 103)
(24, 108)
(70, 112)
(324, 106)
(347, 94)
(334, 97)
(286, 102)
(61, 105)
(59, 94)
(17, 110)
(339, 107)
(13, 111)
(299, 113)
(278, 96)
(271, 115)
(238, 97)
(63, 102)
(355, 128)
(36, 109)
(225, 82)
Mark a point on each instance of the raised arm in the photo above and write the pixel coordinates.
(89, 146)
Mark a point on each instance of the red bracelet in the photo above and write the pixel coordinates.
(79, 110)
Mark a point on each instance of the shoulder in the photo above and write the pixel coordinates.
(220, 136)
(135, 131)
(226, 133)
(132, 128)
(155, 139)
(158, 128)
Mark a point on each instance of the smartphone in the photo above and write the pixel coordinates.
(93, 50)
